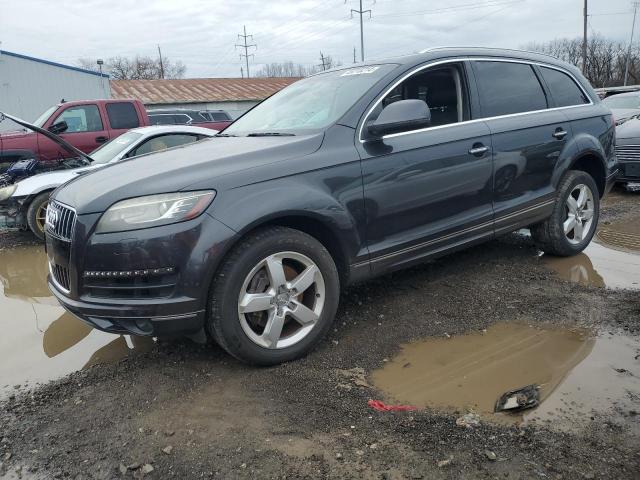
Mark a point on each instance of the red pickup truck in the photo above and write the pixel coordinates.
(84, 124)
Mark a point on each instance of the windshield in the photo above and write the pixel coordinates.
(309, 104)
(40, 121)
(623, 101)
(113, 148)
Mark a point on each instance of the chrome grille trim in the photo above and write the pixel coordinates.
(60, 277)
(628, 153)
(65, 221)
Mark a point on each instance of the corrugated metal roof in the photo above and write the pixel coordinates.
(198, 90)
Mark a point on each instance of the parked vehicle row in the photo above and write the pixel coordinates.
(86, 125)
(25, 202)
(342, 176)
(216, 119)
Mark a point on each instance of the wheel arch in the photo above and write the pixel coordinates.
(593, 164)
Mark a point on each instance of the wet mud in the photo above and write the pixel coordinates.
(46, 342)
(579, 374)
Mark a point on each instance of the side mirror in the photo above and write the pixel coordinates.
(401, 116)
(58, 127)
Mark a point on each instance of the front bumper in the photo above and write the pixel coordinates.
(193, 249)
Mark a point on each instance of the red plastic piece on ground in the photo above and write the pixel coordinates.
(383, 407)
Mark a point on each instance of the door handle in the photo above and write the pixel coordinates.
(559, 134)
(101, 139)
(478, 150)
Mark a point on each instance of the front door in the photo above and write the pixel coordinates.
(429, 189)
(85, 131)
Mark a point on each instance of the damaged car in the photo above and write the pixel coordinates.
(24, 202)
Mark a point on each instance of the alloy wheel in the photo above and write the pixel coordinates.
(579, 214)
(281, 300)
(41, 216)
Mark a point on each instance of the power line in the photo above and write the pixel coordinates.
(246, 47)
(361, 12)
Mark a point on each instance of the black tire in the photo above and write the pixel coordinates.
(223, 323)
(34, 214)
(549, 235)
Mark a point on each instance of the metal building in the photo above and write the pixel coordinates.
(28, 85)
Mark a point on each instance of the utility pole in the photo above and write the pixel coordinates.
(584, 38)
(246, 47)
(361, 12)
(241, 72)
(633, 27)
(323, 59)
(354, 55)
(161, 64)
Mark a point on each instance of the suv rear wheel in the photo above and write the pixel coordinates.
(575, 215)
(274, 297)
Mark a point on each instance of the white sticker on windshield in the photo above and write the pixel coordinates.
(360, 71)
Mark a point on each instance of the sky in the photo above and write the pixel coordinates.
(202, 34)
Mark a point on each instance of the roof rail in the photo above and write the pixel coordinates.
(444, 47)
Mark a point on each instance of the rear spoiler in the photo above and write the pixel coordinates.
(51, 136)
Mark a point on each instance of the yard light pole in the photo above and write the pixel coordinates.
(100, 62)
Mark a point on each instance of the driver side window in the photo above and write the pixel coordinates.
(162, 142)
(442, 88)
(83, 118)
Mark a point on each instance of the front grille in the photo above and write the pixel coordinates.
(60, 221)
(61, 276)
(628, 153)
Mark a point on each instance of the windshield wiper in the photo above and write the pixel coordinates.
(270, 134)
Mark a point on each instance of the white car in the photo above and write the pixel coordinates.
(29, 199)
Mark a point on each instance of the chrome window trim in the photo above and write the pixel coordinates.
(475, 120)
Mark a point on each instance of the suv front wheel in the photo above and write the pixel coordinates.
(575, 215)
(274, 297)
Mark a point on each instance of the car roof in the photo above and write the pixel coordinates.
(436, 53)
(159, 129)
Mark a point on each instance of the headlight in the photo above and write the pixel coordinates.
(154, 210)
(6, 192)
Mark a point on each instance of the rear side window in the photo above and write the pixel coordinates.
(122, 115)
(563, 88)
(507, 87)
(219, 116)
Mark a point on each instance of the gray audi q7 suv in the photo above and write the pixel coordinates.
(347, 174)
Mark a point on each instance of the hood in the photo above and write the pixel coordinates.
(622, 113)
(629, 129)
(51, 136)
(176, 169)
(49, 180)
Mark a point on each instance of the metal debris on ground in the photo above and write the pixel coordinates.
(519, 399)
(468, 420)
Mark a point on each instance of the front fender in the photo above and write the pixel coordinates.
(335, 201)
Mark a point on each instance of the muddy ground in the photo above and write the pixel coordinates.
(183, 410)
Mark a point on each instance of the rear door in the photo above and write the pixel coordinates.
(528, 139)
(429, 189)
(86, 130)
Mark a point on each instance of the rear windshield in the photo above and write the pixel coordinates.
(310, 104)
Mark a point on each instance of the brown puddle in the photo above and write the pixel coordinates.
(611, 260)
(40, 341)
(576, 371)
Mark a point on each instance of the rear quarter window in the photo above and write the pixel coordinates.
(122, 115)
(563, 88)
(507, 88)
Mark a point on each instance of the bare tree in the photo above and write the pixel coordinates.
(605, 58)
(137, 68)
(290, 69)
